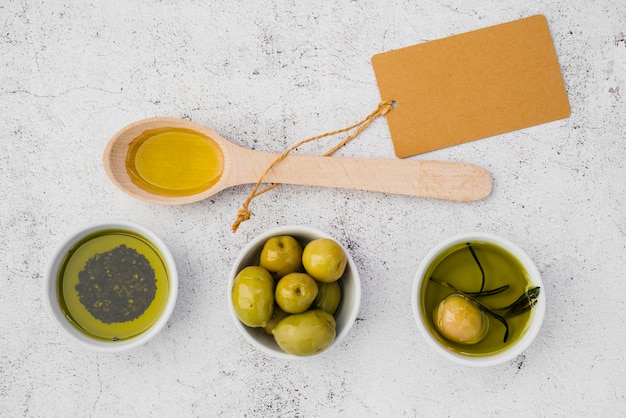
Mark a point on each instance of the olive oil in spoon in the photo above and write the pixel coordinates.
(174, 162)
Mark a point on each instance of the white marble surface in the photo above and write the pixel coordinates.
(266, 75)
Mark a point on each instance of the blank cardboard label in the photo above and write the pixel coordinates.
(471, 86)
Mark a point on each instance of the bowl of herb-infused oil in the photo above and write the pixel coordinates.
(478, 299)
(111, 286)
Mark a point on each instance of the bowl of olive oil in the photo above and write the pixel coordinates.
(111, 286)
(478, 299)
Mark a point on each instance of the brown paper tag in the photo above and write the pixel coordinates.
(471, 86)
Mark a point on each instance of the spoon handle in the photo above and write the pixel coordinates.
(432, 179)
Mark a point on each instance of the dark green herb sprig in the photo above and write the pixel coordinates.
(522, 304)
(482, 272)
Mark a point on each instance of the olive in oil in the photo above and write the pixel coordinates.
(458, 267)
(97, 267)
(174, 162)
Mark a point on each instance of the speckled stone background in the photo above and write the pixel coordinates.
(266, 75)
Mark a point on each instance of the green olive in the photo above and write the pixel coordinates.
(306, 333)
(253, 296)
(281, 255)
(324, 259)
(296, 292)
(459, 320)
(328, 297)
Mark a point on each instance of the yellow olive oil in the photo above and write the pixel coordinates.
(174, 162)
(113, 285)
(459, 268)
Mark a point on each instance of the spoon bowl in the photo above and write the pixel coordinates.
(431, 179)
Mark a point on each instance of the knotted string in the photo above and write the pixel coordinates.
(243, 214)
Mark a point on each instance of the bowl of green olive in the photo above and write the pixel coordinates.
(478, 299)
(294, 292)
(111, 286)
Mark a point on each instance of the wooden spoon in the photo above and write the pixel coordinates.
(432, 179)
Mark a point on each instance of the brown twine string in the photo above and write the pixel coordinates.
(243, 214)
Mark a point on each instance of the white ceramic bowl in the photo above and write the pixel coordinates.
(52, 295)
(423, 318)
(346, 313)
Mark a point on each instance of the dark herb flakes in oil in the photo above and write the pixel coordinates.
(117, 286)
